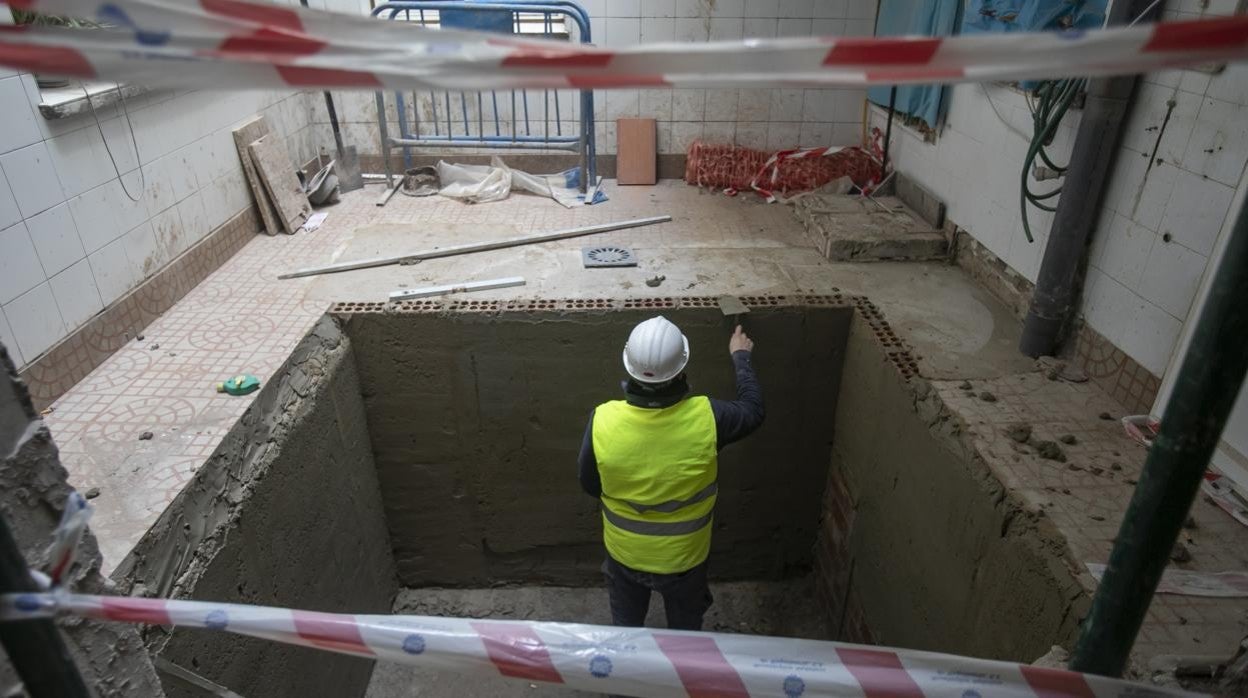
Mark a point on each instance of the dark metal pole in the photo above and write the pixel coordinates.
(35, 647)
(1209, 380)
(1096, 144)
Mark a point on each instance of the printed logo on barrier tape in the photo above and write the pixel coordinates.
(112, 14)
(794, 686)
(216, 620)
(600, 666)
(414, 644)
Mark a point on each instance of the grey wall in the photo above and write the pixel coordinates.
(476, 421)
(286, 512)
(942, 558)
(33, 491)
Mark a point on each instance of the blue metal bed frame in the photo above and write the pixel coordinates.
(443, 129)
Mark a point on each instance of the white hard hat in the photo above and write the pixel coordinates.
(656, 351)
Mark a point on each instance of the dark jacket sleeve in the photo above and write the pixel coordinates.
(736, 419)
(590, 480)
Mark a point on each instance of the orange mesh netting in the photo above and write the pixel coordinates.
(736, 168)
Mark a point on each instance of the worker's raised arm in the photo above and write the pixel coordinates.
(736, 419)
(591, 481)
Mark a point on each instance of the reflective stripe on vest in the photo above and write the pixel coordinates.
(658, 469)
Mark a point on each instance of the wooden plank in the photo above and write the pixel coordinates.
(244, 136)
(635, 160)
(280, 181)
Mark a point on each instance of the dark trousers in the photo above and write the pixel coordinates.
(686, 595)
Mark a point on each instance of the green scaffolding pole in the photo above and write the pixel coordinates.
(1209, 380)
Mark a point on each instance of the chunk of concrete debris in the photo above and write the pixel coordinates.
(964, 385)
(987, 396)
(1106, 416)
(1095, 517)
(1019, 432)
(1068, 439)
(1055, 368)
(1049, 450)
(91, 493)
(1115, 466)
(146, 436)
(654, 281)
(1180, 553)
(1055, 658)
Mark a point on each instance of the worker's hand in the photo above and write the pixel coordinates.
(740, 342)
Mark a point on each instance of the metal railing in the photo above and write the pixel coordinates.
(506, 119)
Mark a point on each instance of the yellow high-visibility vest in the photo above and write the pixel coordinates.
(658, 469)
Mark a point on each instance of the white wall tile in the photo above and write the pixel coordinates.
(9, 212)
(859, 27)
(751, 134)
(762, 8)
(722, 104)
(656, 104)
(10, 341)
(727, 8)
(794, 27)
(171, 239)
(727, 28)
(1107, 305)
(1150, 337)
(752, 105)
(1219, 143)
(690, 30)
(20, 269)
(834, 9)
(719, 132)
(1171, 277)
(1122, 251)
(684, 133)
(76, 294)
(689, 104)
(142, 251)
(657, 29)
(658, 8)
(786, 105)
(113, 272)
(18, 128)
(761, 27)
(827, 27)
(783, 135)
(56, 239)
(861, 9)
(35, 321)
(622, 32)
(32, 177)
(623, 104)
(796, 8)
(81, 160)
(816, 134)
(194, 219)
(1195, 212)
(846, 134)
(624, 8)
(1231, 85)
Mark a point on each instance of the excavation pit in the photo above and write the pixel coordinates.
(421, 458)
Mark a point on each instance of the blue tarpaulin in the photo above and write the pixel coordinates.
(916, 18)
(997, 16)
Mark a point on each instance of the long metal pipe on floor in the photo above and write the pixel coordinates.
(477, 247)
(1208, 382)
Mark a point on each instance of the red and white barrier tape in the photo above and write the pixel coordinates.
(632, 661)
(240, 44)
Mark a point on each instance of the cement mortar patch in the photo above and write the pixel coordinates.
(262, 523)
(477, 418)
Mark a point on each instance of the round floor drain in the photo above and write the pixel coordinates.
(608, 256)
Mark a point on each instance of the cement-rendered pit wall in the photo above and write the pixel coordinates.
(476, 420)
(287, 512)
(921, 546)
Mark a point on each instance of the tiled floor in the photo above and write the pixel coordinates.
(243, 319)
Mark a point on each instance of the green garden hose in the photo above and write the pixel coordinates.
(1053, 99)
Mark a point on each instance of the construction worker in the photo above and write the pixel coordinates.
(652, 460)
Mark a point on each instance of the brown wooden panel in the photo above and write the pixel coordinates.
(244, 136)
(280, 181)
(635, 151)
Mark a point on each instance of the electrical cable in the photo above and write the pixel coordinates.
(116, 170)
(1054, 98)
